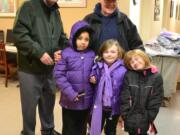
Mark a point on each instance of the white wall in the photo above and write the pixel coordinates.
(135, 13)
(149, 28)
(171, 24)
(124, 6)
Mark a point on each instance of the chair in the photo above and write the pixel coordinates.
(1, 36)
(3, 63)
(11, 57)
(9, 36)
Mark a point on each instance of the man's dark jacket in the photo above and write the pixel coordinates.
(129, 37)
(38, 29)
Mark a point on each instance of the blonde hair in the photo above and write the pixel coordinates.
(136, 52)
(108, 44)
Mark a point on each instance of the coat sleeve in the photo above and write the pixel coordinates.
(125, 98)
(22, 32)
(155, 98)
(94, 70)
(62, 82)
(132, 35)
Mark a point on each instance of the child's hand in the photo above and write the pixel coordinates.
(57, 55)
(76, 99)
(92, 79)
(79, 96)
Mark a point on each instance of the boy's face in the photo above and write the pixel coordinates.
(110, 55)
(137, 63)
(82, 42)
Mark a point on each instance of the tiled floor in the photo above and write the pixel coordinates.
(167, 122)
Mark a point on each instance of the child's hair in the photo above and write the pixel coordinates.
(87, 29)
(108, 44)
(136, 52)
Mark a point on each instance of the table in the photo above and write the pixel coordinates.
(169, 68)
(11, 48)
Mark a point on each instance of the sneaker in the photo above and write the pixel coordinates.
(21, 133)
(54, 132)
(165, 103)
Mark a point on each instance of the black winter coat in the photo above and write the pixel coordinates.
(141, 99)
(129, 38)
(37, 29)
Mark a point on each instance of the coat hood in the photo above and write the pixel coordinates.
(76, 30)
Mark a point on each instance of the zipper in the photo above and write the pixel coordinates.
(152, 91)
(130, 101)
(83, 85)
(51, 32)
(82, 58)
(139, 101)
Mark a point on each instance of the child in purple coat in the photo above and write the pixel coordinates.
(108, 74)
(72, 78)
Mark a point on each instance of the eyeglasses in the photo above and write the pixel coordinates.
(108, 1)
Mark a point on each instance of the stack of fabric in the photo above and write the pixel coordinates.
(165, 44)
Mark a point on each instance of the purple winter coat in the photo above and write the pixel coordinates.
(72, 74)
(114, 75)
(117, 76)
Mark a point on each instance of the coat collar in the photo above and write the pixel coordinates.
(97, 14)
(119, 62)
(148, 71)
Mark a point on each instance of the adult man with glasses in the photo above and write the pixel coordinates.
(109, 23)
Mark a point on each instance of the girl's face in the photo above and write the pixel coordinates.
(110, 55)
(82, 41)
(137, 63)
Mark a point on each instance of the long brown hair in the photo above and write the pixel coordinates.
(136, 52)
(108, 44)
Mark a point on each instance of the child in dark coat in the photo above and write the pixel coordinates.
(141, 95)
